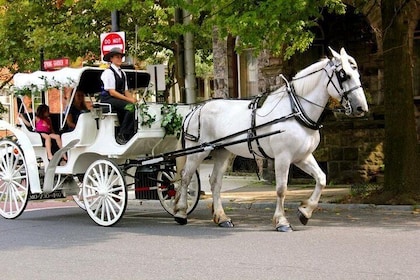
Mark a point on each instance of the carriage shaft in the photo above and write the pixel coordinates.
(205, 147)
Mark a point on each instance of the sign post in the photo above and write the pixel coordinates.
(112, 40)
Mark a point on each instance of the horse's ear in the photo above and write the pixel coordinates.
(343, 52)
(345, 60)
(334, 53)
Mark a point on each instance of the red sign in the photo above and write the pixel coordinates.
(51, 64)
(112, 40)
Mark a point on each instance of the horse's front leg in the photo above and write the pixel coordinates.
(220, 165)
(181, 199)
(311, 167)
(186, 167)
(279, 219)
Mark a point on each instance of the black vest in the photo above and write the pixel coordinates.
(119, 82)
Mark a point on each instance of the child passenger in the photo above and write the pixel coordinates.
(44, 127)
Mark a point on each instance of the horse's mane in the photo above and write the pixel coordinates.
(307, 78)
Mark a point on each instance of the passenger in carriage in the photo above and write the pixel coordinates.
(115, 92)
(79, 106)
(25, 111)
(44, 127)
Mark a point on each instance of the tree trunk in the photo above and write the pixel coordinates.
(189, 61)
(179, 58)
(221, 89)
(401, 147)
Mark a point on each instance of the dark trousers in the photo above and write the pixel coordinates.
(126, 118)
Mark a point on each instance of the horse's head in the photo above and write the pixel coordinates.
(344, 84)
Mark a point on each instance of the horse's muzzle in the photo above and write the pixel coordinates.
(360, 110)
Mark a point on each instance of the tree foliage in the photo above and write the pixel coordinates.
(281, 26)
(70, 29)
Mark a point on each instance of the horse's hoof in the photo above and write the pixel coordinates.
(284, 228)
(181, 221)
(302, 218)
(226, 224)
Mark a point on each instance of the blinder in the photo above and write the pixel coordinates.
(342, 76)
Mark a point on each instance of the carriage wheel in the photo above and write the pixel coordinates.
(14, 181)
(166, 190)
(78, 198)
(104, 192)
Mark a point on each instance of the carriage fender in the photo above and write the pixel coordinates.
(29, 155)
(50, 172)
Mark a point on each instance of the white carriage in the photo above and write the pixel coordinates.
(99, 172)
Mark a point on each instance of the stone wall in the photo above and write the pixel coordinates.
(352, 150)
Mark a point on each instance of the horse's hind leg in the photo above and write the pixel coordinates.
(220, 159)
(311, 167)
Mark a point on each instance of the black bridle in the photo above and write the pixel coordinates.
(342, 76)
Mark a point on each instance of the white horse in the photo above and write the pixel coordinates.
(291, 113)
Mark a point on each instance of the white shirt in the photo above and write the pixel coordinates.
(108, 78)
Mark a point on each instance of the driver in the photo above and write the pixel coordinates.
(115, 92)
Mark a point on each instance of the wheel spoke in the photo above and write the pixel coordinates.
(2, 194)
(90, 191)
(112, 184)
(99, 203)
(112, 205)
(107, 174)
(107, 212)
(3, 168)
(114, 202)
(14, 164)
(16, 191)
(14, 203)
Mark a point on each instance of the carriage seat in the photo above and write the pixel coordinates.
(34, 137)
(105, 108)
(85, 130)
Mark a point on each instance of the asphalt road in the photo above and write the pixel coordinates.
(64, 243)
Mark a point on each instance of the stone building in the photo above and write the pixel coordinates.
(351, 150)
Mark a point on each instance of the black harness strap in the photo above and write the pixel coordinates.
(301, 116)
(252, 134)
(187, 135)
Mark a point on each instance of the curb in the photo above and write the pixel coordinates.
(327, 206)
(290, 205)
